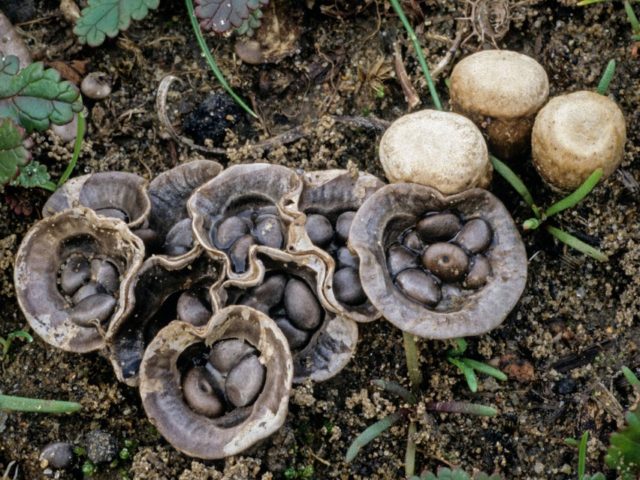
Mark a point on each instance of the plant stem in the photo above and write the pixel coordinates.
(631, 15)
(9, 403)
(607, 76)
(77, 146)
(484, 368)
(517, 184)
(419, 53)
(413, 365)
(372, 432)
(50, 186)
(212, 62)
(410, 454)
(631, 378)
(576, 243)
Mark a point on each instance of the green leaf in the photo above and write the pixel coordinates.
(35, 97)
(624, 450)
(371, 433)
(469, 374)
(105, 18)
(33, 175)
(221, 16)
(484, 368)
(13, 153)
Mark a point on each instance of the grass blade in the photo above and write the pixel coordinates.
(584, 3)
(76, 150)
(9, 403)
(410, 454)
(631, 378)
(413, 365)
(631, 15)
(513, 180)
(462, 407)
(212, 62)
(371, 433)
(484, 368)
(469, 374)
(418, 49)
(575, 197)
(607, 76)
(576, 243)
(582, 455)
(396, 389)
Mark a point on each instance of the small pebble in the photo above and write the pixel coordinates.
(245, 381)
(96, 308)
(400, 258)
(343, 225)
(268, 231)
(412, 241)
(229, 231)
(438, 227)
(101, 446)
(104, 273)
(271, 291)
(200, 394)
(319, 229)
(226, 353)
(347, 287)
(475, 236)
(239, 253)
(566, 386)
(75, 273)
(192, 309)
(85, 291)
(345, 258)
(297, 338)
(96, 86)
(419, 286)
(301, 305)
(57, 455)
(479, 272)
(447, 261)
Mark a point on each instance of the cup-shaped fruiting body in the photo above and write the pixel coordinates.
(117, 195)
(575, 134)
(289, 288)
(169, 193)
(329, 200)
(164, 289)
(501, 91)
(72, 274)
(214, 391)
(442, 150)
(240, 209)
(439, 266)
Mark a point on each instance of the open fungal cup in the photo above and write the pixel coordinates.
(72, 275)
(329, 200)
(439, 266)
(442, 150)
(288, 288)
(169, 192)
(164, 289)
(117, 195)
(241, 208)
(575, 134)
(213, 392)
(501, 91)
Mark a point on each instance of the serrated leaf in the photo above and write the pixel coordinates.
(35, 97)
(32, 175)
(13, 153)
(105, 18)
(222, 16)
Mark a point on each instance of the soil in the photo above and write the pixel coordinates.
(563, 344)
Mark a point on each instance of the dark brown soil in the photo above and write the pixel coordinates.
(575, 326)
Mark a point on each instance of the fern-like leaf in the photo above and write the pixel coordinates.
(13, 153)
(33, 175)
(105, 18)
(222, 16)
(448, 474)
(35, 97)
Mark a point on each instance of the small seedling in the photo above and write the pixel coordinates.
(88, 468)
(299, 473)
(405, 413)
(5, 343)
(469, 367)
(448, 474)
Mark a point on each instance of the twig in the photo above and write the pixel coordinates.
(290, 136)
(410, 94)
(442, 64)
